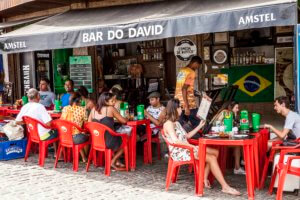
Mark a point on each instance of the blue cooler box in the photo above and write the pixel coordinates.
(13, 149)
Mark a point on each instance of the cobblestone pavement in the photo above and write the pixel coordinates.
(20, 180)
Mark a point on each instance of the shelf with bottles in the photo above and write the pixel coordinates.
(248, 58)
(152, 50)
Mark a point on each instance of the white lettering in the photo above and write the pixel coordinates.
(255, 19)
(111, 35)
(92, 37)
(131, 32)
(250, 19)
(159, 29)
(99, 36)
(140, 32)
(148, 30)
(241, 21)
(15, 45)
(119, 34)
(85, 37)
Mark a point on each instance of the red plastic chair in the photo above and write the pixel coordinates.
(275, 147)
(97, 132)
(174, 166)
(65, 129)
(33, 137)
(282, 170)
(280, 166)
(155, 139)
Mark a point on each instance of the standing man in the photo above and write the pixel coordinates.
(69, 87)
(291, 129)
(46, 96)
(185, 92)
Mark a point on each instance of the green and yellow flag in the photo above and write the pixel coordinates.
(256, 83)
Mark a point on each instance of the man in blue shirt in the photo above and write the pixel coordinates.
(69, 87)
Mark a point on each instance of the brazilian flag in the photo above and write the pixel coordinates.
(256, 83)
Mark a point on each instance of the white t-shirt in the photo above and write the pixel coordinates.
(38, 112)
(292, 122)
(47, 98)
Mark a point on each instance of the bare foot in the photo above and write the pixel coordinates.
(232, 191)
(207, 184)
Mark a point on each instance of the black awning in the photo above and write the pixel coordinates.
(122, 24)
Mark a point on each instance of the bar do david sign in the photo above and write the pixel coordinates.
(119, 34)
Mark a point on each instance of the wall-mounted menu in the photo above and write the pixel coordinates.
(81, 71)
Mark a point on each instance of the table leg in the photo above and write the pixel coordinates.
(202, 158)
(256, 155)
(249, 175)
(132, 149)
(149, 140)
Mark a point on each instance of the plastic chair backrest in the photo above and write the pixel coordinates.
(97, 132)
(65, 129)
(165, 138)
(32, 127)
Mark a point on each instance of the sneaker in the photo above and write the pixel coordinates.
(243, 162)
(239, 171)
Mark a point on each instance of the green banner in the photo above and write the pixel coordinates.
(256, 83)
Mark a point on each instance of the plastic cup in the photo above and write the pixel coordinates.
(57, 105)
(24, 100)
(255, 121)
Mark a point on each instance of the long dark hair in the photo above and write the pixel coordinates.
(75, 98)
(102, 101)
(229, 105)
(172, 113)
(83, 91)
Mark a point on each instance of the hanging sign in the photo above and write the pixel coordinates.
(185, 49)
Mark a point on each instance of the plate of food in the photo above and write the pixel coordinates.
(240, 136)
(212, 135)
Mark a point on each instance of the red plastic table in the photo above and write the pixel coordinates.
(15, 112)
(248, 145)
(132, 142)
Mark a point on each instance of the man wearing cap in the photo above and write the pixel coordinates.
(37, 111)
(156, 111)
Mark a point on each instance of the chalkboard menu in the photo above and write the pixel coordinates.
(81, 71)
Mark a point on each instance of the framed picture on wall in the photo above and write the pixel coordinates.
(220, 55)
(285, 39)
(207, 39)
(221, 38)
(283, 29)
(206, 53)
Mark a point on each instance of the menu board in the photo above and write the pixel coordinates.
(204, 107)
(81, 71)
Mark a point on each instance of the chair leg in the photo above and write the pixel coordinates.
(101, 158)
(42, 154)
(75, 158)
(175, 174)
(89, 159)
(265, 170)
(95, 158)
(282, 175)
(145, 146)
(108, 154)
(126, 158)
(195, 177)
(158, 150)
(169, 174)
(57, 155)
(274, 175)
(27, 149)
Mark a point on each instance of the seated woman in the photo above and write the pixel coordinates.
(88, 103)
(76, 114)
(104, 113)
(177, 135)
(118, 97)
(234, 108)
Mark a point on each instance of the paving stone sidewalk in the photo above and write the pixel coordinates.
(20, 180)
